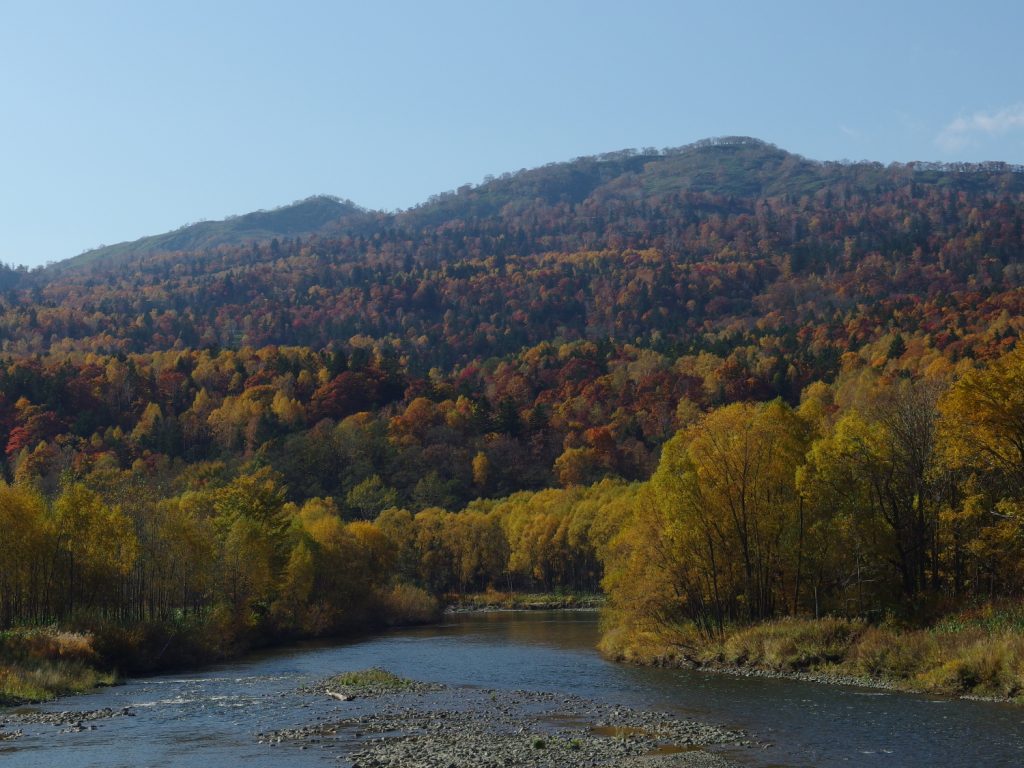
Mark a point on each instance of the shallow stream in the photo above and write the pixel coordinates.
(211, 718)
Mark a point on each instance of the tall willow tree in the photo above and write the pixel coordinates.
(717, 532)
(982, 440)
(982, 425)
(26, 553)
(96, 549)
(876, 472)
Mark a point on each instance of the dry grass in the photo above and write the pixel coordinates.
(790, 644)
(991, 665)
(976, 653)
(40, 664)
(625, 638)
(634, 647)
(889, 654)
(44, 644)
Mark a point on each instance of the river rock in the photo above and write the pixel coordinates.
(440, 727)
(72, 720)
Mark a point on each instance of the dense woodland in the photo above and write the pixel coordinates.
(724, 382)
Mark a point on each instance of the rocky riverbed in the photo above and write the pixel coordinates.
(420, 725)
(67, 721)
(820, 677)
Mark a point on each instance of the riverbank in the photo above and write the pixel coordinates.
(383, 721)
(483, 602)
(977, 655)
(215, 715)
(961, 656)
(41, 664)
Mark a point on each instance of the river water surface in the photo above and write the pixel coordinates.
(210, 718)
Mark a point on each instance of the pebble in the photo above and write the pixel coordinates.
(434, 726)
(75, 720)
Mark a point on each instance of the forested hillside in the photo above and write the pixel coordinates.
(731, 382)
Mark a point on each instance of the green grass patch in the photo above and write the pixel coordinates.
(370, 679)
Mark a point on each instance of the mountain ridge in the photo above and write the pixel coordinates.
(732, 167)
(317, 214)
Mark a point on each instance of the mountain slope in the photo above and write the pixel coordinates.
(560, 322)
(314, 215)
(704, 248)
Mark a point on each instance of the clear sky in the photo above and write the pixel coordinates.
(121, 119)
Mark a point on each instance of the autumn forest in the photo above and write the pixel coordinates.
(723, 384)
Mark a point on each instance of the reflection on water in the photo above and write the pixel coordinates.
(211, 717)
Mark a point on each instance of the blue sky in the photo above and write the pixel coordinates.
(124, 119)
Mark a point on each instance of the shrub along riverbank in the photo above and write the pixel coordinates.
(978, 652)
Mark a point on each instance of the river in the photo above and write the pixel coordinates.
(210, 718)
